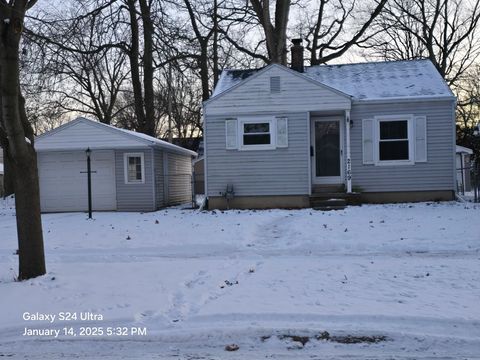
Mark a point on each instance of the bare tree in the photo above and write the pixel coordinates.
(275, 32)
(17, 136)
(336, 26)
(81, 80)
(445, 31)
(134, 20)
(468, 109)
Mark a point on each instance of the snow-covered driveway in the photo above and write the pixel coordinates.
(270, 281)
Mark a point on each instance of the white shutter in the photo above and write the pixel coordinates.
(420, 139)
(282, 132)
(231, 138)
(368, 140)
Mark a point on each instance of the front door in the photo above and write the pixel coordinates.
(327, 150)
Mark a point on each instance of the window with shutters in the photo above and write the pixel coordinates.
(134, 165)
(394, 140)
(257, 134)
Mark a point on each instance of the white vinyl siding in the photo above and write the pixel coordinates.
(297, 94)
(435, 174)
(179, 175)
(139, 196)
(284, 171)
(81, 135)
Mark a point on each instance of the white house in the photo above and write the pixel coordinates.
(285, 137)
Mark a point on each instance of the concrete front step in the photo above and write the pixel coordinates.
(332, 188)
(333, 200)
(326, 204)
(328, 208)
(329, 195)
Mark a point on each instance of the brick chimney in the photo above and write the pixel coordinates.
(297, 55)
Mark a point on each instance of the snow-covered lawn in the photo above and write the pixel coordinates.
(265, 280)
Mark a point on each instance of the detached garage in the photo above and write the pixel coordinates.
(129, 171)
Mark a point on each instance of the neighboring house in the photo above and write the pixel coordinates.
(463, 164)
(130, 171)
(277, 136)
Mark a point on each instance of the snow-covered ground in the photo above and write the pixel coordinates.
(271, 282)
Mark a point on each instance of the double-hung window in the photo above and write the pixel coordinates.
(394, 140)
(257, 134)
(134, 168)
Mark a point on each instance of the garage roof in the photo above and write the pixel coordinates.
(83, 133)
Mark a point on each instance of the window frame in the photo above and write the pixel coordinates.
(126, 156)
(410, 138)
(257, 120)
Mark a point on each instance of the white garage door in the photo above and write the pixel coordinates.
(63, 181)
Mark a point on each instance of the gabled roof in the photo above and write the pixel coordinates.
(412, 79)
(230, 79)
(131, 137)
(463, 149)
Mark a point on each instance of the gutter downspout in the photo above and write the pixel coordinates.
(349, 158)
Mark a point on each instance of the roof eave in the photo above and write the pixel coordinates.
(403, 99)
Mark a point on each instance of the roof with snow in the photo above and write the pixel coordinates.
(366, 81)
(463, 149)
(82, 133)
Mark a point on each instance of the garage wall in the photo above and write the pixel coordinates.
(179, 177)
(135, 197)
(159, 178)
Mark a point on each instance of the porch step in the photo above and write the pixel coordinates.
(326, 204)
(328, 188)
(333, 201)
(328, 208)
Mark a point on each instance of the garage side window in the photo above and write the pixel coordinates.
(134, 164)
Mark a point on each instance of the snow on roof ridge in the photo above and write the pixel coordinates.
(226, 70)
(372, 62)
(460, 148)
(365, 81)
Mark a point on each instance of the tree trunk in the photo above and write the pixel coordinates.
(21, 150)
(216, 71)
(149, 96)
(8, 174)
(275, 34)
(134, 57)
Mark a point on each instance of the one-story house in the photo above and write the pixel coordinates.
(278, 136)
(130, 171)
(463, 164)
